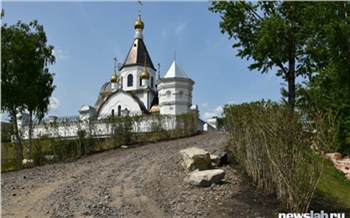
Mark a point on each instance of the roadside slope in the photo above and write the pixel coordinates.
(141, 181)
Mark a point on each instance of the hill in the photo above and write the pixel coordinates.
(140, 181)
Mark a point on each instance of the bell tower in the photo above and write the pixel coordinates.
(175, 91)
(137, 62)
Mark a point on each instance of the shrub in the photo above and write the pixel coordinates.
(271, 145)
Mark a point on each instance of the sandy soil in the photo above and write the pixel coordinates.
(140, 181)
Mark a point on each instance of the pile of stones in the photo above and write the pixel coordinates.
(202, 166)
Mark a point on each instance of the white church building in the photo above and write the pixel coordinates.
(137, 90)
(134, 89)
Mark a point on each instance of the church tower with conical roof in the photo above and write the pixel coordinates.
(175, 91)
(133, 91)
(137, 74)
(137, 62)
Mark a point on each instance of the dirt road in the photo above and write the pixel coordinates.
(140, 181)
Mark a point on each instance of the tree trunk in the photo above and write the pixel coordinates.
(30, 126)
(291, 86)
(291, 67)
(16, 133)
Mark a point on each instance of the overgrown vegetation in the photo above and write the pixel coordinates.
(124, 130)
(275, 149)
(289, 38)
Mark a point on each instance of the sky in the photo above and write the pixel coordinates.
(88, 35)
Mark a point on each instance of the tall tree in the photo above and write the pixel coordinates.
(273, 34)
(329, 89)
(40, 80)
(37, 105)
(26, 81)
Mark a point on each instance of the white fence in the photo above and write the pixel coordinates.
(69, 128)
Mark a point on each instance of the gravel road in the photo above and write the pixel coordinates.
(140, 181)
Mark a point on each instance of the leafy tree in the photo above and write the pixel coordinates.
(38, 104)
(329, 89)
(273, 34)
(309, 39)
(26, 81)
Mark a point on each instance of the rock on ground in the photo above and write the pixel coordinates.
(205, 178)
(215, 160)
(195, 158)
(222, 156)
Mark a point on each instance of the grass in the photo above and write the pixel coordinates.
(333, 191)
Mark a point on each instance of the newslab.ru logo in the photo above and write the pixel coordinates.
(312, 214)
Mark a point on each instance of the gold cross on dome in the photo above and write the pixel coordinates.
(158, 70)
(115, 63)
(140, 3)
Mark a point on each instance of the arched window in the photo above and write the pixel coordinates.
(130, 80)
(112, 112)
(140, 81)
(119, 110)
(152, 82)
(181, 93)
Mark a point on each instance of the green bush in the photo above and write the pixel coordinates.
(273, 148)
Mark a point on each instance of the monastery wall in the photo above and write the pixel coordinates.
(102, 128)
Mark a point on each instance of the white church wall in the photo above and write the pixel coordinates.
(120, 100)
(213, 122)
(146, 97)
(173, 109)
(182, 109)
(99, 128)
(130, 71)
(174, 101)
(86, 112)
(152, 74)
(52, 130)
(175, 95)
(136, 71)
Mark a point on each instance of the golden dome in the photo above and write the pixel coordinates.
(145, 75)
(114, 78)
(139, 24)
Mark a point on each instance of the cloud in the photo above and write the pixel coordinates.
(209, 115)
(54, 104)
(216, 112)
(60, 54)
(219, 109)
